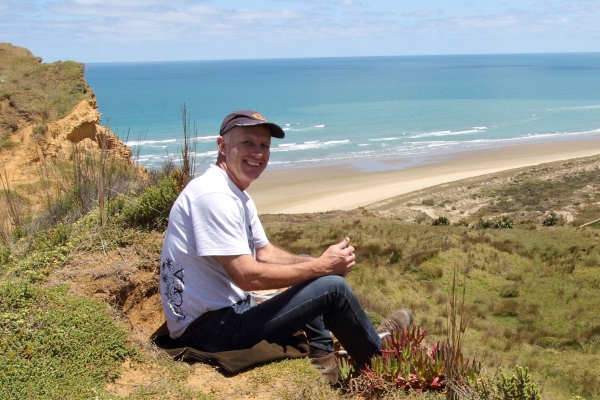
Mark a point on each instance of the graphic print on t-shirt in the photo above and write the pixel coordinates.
(172, 277)
(251, 241)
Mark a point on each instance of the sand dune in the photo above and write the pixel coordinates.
(345, 187)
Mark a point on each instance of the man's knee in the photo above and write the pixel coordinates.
(335, 283)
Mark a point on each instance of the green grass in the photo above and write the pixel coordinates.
(6, 144)
(55, 346)
(33, 92)
(529, 192)
(533, 294)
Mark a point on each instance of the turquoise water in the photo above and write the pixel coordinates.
(355, 109)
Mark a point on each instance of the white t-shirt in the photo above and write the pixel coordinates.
(211, 217)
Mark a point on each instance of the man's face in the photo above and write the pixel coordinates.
(246, 152)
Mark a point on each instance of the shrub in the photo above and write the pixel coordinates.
(395, 257)
(440, 221)
(504, 223)
(518, 386)
(39, 130)
(4, 254)
(7, 143)
(506, 308)
(53, 243)
(509, 291)
(153, 206)
(550, 220)
(483, 224)
(514, 276)
(421, 217)
(375, 318)
(428, 202)
(515, 387)
(431, 272)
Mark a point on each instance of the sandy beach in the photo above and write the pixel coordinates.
(345, 187)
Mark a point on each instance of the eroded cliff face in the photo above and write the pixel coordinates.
(81, 128)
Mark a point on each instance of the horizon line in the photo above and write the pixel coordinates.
(331, 57)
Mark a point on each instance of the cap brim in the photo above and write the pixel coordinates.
(275, 129)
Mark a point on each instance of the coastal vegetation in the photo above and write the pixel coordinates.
(531, 291)
(511, 285)
(32, 92)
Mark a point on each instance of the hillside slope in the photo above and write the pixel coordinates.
(33, 92)
(48, 118)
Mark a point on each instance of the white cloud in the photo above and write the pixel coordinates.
(318, 26)
(349, 3)
(130, 22)
(15, 7)
(423, 13)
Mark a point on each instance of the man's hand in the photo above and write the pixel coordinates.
(339, 258)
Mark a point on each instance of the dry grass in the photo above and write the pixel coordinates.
(32, 92)
(522, 287)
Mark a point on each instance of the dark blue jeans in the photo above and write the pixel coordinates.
(312, 306)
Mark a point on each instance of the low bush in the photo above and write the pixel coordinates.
(503, 223)
(407, 364)
(510, 290)
(395, 257)
(506, 308)
(484, 224)
(440, 221)
(39, 130)
(4, 254)
(431, 272)
(7, 143)
(550, 220)
(55, 346)
(152, 208)
(516, 387)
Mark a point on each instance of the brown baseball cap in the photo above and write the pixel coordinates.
(249, 118)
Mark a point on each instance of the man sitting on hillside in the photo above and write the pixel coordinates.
(215, 252)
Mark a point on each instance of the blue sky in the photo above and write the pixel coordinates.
(153, 30)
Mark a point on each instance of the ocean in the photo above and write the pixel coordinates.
(362, 110)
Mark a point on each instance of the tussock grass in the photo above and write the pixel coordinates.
(532, 294)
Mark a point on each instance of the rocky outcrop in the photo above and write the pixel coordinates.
(82, 128)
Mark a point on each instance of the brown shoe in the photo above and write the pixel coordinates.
(327, 365)
(399, 319)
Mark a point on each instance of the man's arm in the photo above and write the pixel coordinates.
(250, 274)
(274, 255)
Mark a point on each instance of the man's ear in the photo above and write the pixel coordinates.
(222, 146)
